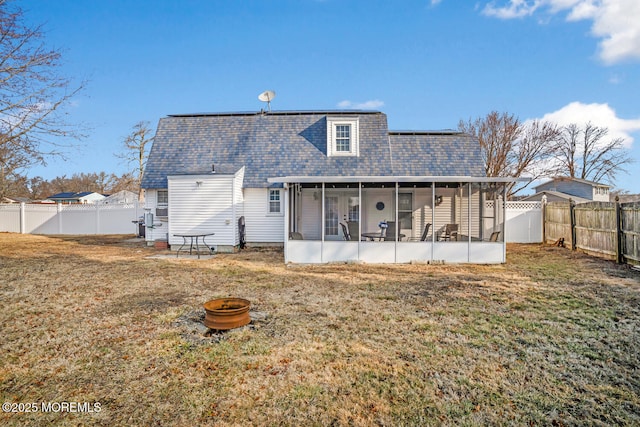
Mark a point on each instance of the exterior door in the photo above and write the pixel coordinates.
(332, 217)
(340, 207)
(405, 213)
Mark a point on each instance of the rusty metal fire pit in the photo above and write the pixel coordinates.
(226, 313)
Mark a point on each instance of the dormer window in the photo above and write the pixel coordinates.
(342, 136)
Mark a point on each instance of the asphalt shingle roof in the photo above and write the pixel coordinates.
(295, 144)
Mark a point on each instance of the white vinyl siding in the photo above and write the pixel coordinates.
(159, 229)
(202, 208)
(310, 223)
(422, 212)
(261, 227)
(238, 201)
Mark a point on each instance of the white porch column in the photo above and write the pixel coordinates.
(469, 228)
(286, 222)
(322, 223)
(59, 215)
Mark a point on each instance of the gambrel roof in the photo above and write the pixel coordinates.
(288, 143)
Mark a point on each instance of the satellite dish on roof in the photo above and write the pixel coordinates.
(267, 96)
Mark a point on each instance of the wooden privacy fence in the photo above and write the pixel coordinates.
(608, 229)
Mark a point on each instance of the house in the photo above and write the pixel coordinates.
(72, 197)
(15, 200)
(326, 185)
(122, 197)
(563, 188)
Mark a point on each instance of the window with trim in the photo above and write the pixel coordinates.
(342, 136)
(162, 203)
(275, 202)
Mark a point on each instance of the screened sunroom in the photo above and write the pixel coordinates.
(394, 220)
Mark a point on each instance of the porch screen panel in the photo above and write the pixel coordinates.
(477, 212)
(405, 212)
(331, 218)
(462, 212)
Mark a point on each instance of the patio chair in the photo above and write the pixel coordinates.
(423, 238)
(353, 228)
(345, 232)
(450, 232)
(391, 232)
(494, 236)
(294, 235)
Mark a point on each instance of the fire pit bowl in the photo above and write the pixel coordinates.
(226, 313)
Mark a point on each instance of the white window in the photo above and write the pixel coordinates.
(275, 202)
(342, 136)
(162, 203)
(163, 198)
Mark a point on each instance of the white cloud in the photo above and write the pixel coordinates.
(600, 115)
(614, 22)
(515, 9)
(373, 104)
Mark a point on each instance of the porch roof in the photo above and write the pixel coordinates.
(354, 179)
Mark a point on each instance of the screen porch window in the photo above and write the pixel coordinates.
(274, 202)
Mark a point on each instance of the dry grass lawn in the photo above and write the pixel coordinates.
(550, 338)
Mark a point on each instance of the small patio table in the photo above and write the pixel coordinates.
(372, 236)
(192, 241)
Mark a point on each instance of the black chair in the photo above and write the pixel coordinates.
(345, 232)
(425, 232)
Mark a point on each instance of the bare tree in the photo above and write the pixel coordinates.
(583, 152)
(136, 149)
(510, 147)
(33, 97)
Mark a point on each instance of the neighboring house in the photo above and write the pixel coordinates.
(71, 197)
(120, 198)
(320, 183)
(15, 200)
(561, 189)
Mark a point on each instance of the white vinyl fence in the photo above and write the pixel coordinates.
(523, 222)
(69, 219)
(523, 219)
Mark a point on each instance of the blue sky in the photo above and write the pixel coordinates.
(426, 64)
